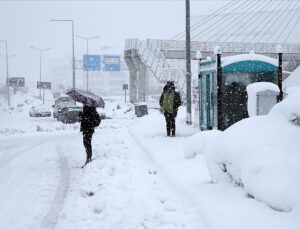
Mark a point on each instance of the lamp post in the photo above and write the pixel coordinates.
(87, 54)
(7, 72)
(279, 52)
(188, 65)
(41, 52)
(73, 61)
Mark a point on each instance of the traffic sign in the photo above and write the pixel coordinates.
(91, 62)
(125, 86)
(16, 82)
(43, 85)
(111, 63)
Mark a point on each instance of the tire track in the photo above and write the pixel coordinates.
(52, 216)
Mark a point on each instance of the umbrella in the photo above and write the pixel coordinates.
(86, 97)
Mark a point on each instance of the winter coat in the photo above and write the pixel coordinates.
(176, 104)
(87, 118)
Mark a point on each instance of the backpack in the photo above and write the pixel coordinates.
(97, 119)
(168, 102)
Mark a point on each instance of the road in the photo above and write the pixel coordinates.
(34, 180)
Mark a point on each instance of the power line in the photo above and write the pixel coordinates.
(264, 22)
(271, 30)
(243, 27)
(279, 26)
(200, 23)
(290, 32)
(235, 20)
(201, 31)
(268, 26)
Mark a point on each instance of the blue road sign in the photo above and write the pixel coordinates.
(91, 62)
(111, 63)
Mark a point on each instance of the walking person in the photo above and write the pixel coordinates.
(169, 102)
(90, 119)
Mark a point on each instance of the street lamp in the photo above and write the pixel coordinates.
(7, 72)
(73, 61)
(87, 54)
(41, 52)
(188, 64)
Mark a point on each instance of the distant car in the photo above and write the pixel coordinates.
(39, 112)
(60, 103)
(69, 114)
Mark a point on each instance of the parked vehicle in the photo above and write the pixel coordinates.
(69, 114)
(39, 112)
(60, 103)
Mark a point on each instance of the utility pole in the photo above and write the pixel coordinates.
(87, 56)
(41, 53)
(188, 66)
(7, 73)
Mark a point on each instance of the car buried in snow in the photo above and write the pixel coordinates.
(69, 114)
(39, 112)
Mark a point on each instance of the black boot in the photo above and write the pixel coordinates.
(168, 132)
(173, 133)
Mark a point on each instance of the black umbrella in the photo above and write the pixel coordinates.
(86, 97)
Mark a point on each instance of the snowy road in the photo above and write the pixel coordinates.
(32, 187)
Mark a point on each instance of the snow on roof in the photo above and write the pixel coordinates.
(293, 80)
(246, 57)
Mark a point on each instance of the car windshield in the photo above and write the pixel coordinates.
(74, 108)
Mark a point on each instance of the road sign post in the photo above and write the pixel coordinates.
(43, 85)
(125, 88)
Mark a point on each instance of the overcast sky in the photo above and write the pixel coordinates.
(27, 23)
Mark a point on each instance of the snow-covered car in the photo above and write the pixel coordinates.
(60, 103)
(39, 112)
(69, 114)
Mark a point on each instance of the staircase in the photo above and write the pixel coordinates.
(150, 54)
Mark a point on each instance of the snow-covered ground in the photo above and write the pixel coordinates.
(138, 178)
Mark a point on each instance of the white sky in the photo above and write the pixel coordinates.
(26, 23)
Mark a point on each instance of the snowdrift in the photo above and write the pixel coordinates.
(262, 154)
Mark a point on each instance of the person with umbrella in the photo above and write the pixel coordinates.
(89, 119)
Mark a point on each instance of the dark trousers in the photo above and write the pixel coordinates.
(170, 123)
(87, 142)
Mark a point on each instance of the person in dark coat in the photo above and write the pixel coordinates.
(88, 118)
(169, 102)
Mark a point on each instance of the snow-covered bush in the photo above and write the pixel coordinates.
(195, 144)
(262, 154)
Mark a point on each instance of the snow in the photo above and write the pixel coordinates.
(141, 179)
(264, 159)
(293, 79)
(246, 57)
(253, 89)
(195, 144)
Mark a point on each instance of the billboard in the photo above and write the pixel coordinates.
(43, 85)
(91, 62)
(16, 82)
(111, 63)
